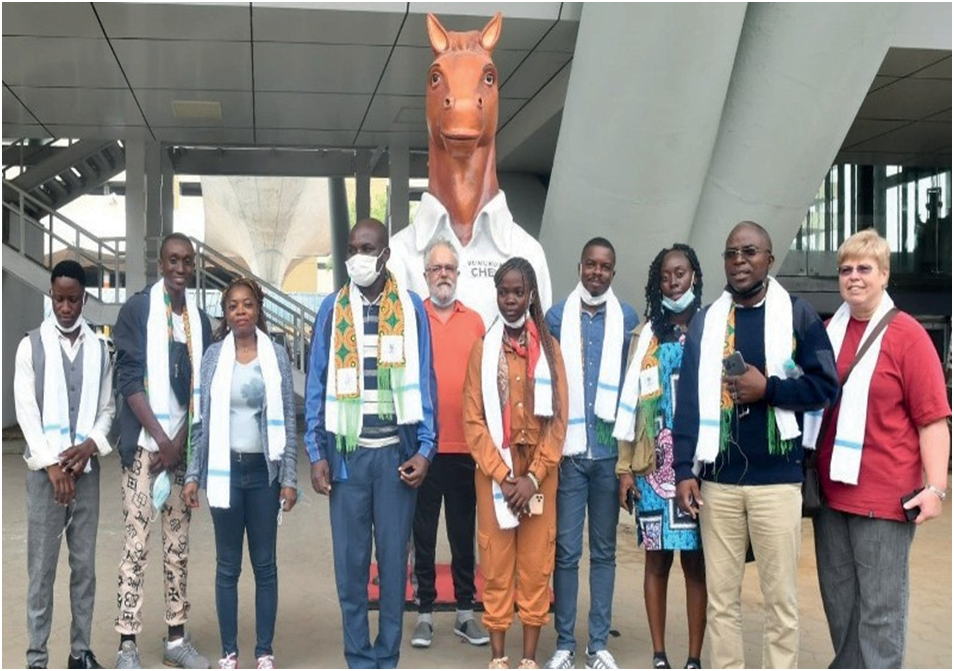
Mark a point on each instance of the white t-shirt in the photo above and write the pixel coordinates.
(496, 238)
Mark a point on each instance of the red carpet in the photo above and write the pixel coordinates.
(445, 590)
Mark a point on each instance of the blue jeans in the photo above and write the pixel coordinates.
(585, 483)
(863, 576)
(373, 500)
(253, 508)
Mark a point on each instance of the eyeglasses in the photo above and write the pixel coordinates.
(440, 269)
(749, 252)
(863, 269)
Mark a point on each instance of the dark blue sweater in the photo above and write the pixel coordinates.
(747, 461)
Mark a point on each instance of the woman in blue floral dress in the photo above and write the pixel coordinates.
(673, 296)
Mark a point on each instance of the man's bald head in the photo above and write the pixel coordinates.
(764, 236)
(374, 228)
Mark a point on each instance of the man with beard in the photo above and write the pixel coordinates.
(454, 330)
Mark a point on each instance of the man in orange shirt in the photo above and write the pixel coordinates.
(454, 330)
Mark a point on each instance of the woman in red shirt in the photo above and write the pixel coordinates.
(891, 440)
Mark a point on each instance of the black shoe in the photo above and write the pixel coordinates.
(86, 660)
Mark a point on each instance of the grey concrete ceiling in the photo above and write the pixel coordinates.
(291, 74)
(351, 75)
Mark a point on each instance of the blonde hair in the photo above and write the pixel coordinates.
(866, 243)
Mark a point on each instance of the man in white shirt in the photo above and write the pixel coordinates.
(63, 391)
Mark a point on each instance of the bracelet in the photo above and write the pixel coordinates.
(939, 493)
(533, 479)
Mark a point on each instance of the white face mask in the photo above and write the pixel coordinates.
(588, 298)
(443, 302)
(679, 305)
(520, 321)
(517, 324)
(160, 491)
(76, 325)
(363, 269)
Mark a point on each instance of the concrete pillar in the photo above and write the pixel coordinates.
(135, 216)
(167, 192)
(362, 195)
(340, 228)
(149, 207)
(399, 171)
(643, 106)
(154, 206)
(801, 73)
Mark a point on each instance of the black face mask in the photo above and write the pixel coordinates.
(748, 293)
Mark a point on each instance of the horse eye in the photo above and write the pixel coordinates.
(435, 78)
(489, 79)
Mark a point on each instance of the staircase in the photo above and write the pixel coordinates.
(55, 175)
(289, 322)
(31, 245)
(35, 236)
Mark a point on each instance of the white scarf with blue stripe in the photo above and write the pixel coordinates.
(56, 404)
(853, 416)
(607, 390)
(220, 444)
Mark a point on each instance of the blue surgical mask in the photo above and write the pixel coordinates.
(679, 305)
(160, 491)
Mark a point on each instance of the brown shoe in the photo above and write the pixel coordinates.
(499, 663)
(527, 664)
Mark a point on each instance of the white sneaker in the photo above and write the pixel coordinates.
(230, 661)
(601, 659)
(562, 659)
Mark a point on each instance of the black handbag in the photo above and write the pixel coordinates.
(812, 498)
(180, 372)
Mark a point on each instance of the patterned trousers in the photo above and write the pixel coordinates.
(138, 514)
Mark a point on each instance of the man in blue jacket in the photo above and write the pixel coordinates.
(739, 423)
(370, 435)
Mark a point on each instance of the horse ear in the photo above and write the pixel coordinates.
(491, 32)
(437, 35)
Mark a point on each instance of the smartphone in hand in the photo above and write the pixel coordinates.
(912, 513)
(734, 364)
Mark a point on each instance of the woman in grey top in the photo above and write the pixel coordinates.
(245, 454)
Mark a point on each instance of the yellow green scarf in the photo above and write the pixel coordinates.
(391, 365)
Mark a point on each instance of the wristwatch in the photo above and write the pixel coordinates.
(940, 493)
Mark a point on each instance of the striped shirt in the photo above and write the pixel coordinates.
(376, 431)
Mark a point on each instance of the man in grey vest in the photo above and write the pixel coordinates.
(63, 389)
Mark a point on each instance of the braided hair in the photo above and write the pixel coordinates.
(522, 266)
(655, 312)
(257, 293)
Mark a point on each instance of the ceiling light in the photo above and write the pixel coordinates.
(197, 109)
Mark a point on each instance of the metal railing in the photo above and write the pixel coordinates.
(290, 322)
(41, 238)
(40, 242)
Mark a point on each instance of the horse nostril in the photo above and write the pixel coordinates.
(480, 101)
(448, 102)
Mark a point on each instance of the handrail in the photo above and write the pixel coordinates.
(100, 255)
(290, 319)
